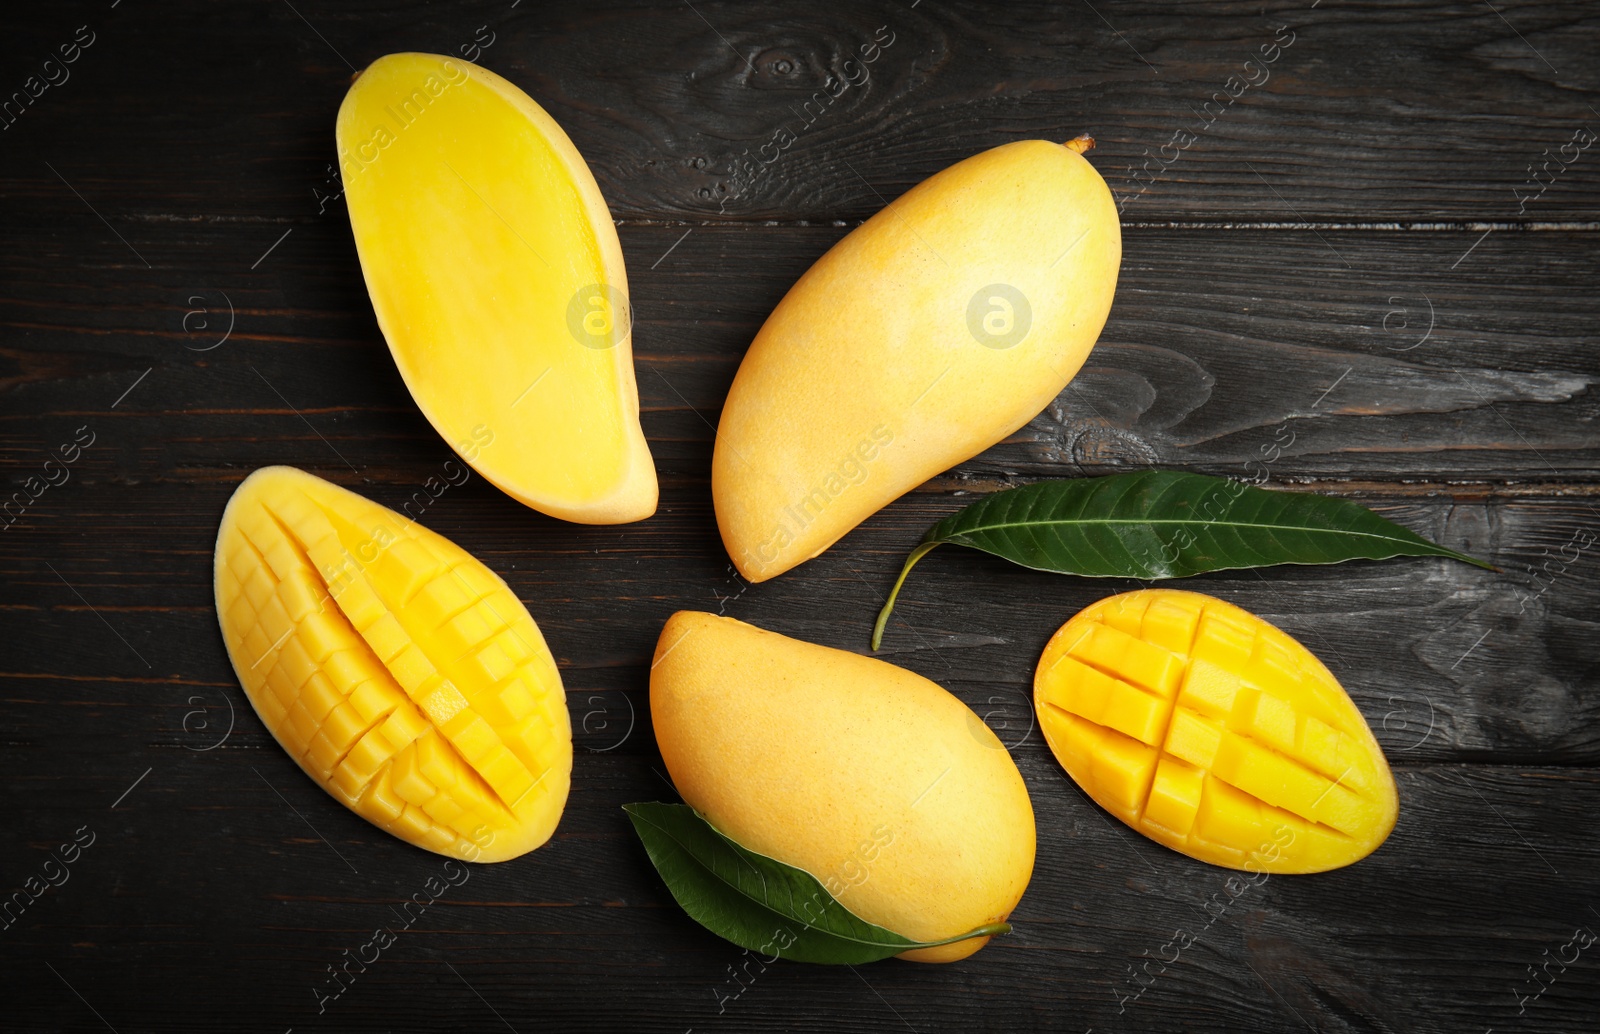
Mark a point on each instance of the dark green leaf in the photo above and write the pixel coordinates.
(758, 902)
(1165, 524)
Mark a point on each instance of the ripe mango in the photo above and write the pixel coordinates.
(495, 273)
(1212, 732)
(867, 776)
(399, 672)
(934, 330)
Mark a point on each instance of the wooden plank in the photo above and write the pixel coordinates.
(1250, 354)
(1448, 662)
(1371, 274)
(238, 901)
(1393, 112)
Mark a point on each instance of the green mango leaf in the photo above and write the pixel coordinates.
(758, 902)
(1165, 524)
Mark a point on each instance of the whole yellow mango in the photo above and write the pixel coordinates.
(934, 330)
(399, 672)
(872, 779)
(1212, 732)
(497, 279)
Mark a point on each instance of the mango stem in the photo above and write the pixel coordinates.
(1080, 143)
(888, 607)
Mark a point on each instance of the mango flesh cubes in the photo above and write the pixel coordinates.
(934, 330)
(495, 272)
(398, 671)
(1214, 733)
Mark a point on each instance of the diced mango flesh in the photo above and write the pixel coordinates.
(498, 281)
(401, 674)
(1214, 733)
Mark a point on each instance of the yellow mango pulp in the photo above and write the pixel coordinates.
(495, 272)
(876, 781)
(1210, 731)
(399, 672)
(934, 330)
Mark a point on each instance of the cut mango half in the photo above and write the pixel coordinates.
(399, 672)
(1210, 731)
(494, 269)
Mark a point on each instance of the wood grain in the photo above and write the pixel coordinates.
(1471, 665)
(1351, 281)
(1214, 359)
(582, 935)
(1412, 112)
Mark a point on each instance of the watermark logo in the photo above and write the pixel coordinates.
(599, 317)
(606, 720)
(340, 978)
(855, 871)
(1216, 906)
(1579, 542)
(1256, 74)
(856, 73)
(1003, 722)
(851, 470)
(54, 473)
(1402, 320)
(1403, 720)
(204, 320)
(1581, 938)
(55, 871)
(52, 72)
(474, 50)
(1551, 167)
(999, 316)
(197, 723)
(402, 113)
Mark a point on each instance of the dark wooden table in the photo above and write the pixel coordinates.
(1368, 268)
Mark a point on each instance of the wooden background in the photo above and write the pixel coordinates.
(1362, 279)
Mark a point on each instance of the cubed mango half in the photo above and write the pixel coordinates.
(399, 672)
(1210, 731)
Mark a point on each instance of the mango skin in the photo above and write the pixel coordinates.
(891, 359)
(497, 279)
(876, 781)
(402, 675)
(1210, 731)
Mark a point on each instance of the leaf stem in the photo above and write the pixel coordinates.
(986, 930)
(888, 607)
